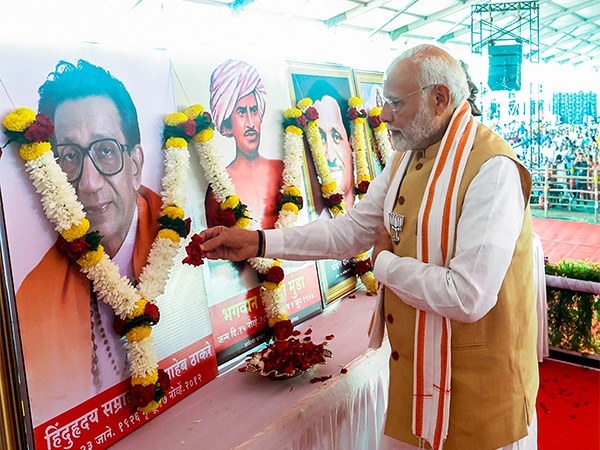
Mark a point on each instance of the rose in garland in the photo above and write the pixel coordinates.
(41, 129)
(275, 274)
(374, 121)
(361, 266)
(164, 380)
(142, 395)
(151, 310)
(283, 330)
(226, 218)
(312, 113)
(75, 249)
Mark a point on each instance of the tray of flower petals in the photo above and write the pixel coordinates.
(288, 359)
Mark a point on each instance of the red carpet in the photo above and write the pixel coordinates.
(566, 239)
(568, 407)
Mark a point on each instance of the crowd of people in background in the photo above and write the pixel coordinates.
(567, 152)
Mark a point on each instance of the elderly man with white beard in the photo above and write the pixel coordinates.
(450, 223)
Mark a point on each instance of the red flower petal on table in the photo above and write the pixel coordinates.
(369, 294)
(312, 113)
(242, 369)
(226, 218)
(164, 380)
(296, 333)
(40, 130)
(275, 274)
(330, 337)
(352, 296)
(321, 379)
(152, 310)
(344, 370)
(308, 331)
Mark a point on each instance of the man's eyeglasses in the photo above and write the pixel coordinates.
(106, 154)
(395, 103)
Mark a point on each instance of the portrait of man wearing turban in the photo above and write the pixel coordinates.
(237, 103)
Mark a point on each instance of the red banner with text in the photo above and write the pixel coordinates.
(104, 419)
(237, 323)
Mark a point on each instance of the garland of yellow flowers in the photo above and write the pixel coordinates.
(381, 137)
(269, 271)
(133, 306)
(332, 194)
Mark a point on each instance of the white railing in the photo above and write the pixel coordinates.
(551, 188)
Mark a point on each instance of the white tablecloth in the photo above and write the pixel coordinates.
(244, 411)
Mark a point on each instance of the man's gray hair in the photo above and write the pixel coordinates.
(435, 69)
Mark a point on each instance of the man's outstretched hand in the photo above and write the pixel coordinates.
(233, 244)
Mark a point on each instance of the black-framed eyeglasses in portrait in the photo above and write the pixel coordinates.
(106, 155)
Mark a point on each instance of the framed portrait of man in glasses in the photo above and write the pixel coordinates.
(108, 142)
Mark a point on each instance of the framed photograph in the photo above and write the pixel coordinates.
(72, 363)
(329, 87)
(370, 89)
(246, 98)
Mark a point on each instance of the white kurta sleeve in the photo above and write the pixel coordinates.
(339, 238)
(486, 236)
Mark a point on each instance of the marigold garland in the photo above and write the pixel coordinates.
(357, 115)
(361, 264)
(233, 213)
(332, 195)
(134, 308)
(381, 137)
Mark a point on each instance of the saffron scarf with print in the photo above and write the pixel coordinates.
(435, 242)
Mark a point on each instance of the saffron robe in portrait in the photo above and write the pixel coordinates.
(53, 306)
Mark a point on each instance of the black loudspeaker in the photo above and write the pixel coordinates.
(505, 67)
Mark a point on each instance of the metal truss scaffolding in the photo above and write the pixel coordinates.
(522, 28)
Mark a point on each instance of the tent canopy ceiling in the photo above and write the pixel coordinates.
(568, 29)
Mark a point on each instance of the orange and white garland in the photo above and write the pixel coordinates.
(133, 306)
(332, 194)
(381, 137)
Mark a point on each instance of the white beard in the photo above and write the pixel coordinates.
(416, 134)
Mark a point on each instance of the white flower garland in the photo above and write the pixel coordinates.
(215, 171)
(66, 213)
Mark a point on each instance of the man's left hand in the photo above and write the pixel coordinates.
(383, 242)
